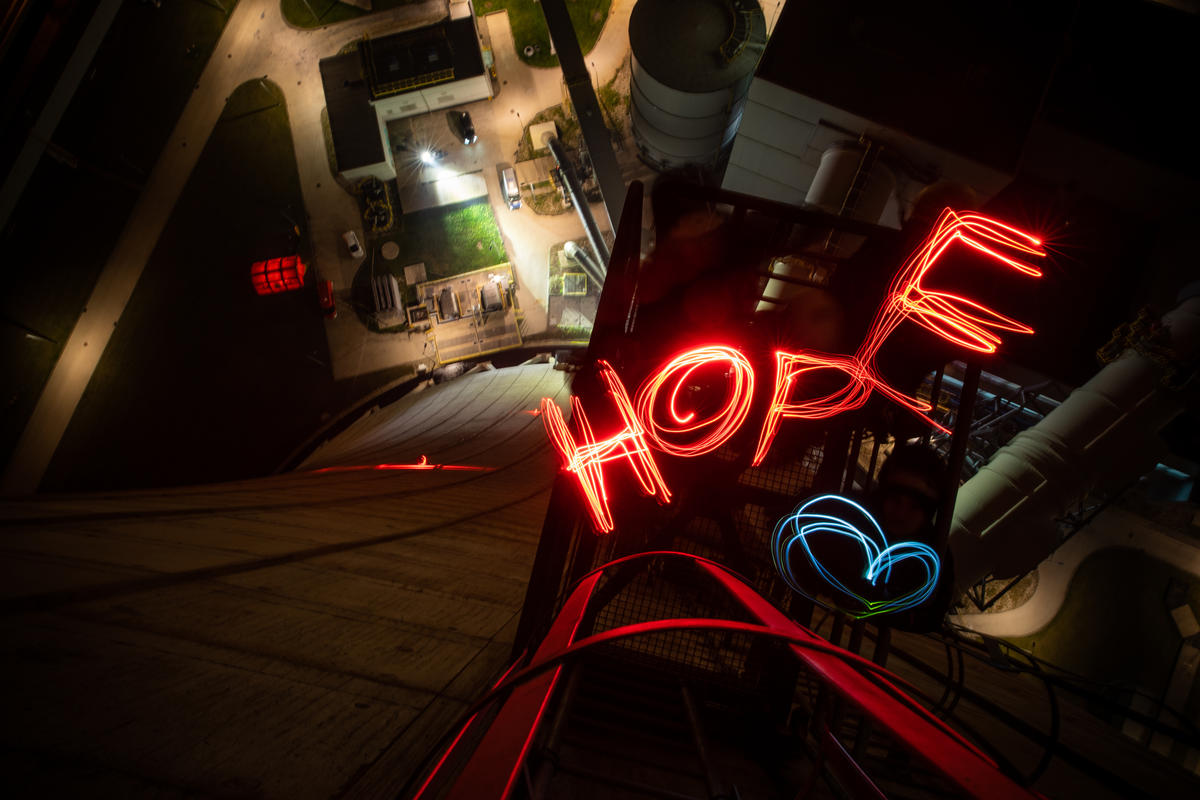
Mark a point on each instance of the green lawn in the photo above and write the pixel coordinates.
(529, 25)
(449, 240)
(75, 206)
(1114, 625)
(315, 13)
(231, 380)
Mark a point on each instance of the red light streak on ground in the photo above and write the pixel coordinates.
(587, 460)
(720, 425)
(423, 464)
(955, 318)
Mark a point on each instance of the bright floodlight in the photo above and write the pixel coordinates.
(426, 156)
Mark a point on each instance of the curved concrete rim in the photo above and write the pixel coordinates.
(1114, 528)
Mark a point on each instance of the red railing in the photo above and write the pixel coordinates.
(493, 768)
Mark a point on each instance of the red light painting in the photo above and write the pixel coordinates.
(587, 460)
(957, 319)
(278, 275)
(423, 464)
(714, 430)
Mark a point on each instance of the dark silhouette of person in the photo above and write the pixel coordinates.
(906, 502)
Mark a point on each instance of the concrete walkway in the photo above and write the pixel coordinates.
(1113, 528)
(612, 48)
(257, 42)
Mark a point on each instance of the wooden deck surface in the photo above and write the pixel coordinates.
(307, 635)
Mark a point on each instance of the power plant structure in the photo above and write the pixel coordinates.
(691, 63)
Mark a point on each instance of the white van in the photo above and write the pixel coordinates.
(351, 240)
(509, 187)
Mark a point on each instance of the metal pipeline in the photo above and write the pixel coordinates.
(1104, 436)
(586, 261)
(579, 200)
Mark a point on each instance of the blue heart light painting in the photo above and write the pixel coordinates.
(812, 525)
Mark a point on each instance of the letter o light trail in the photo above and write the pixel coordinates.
(722, 424)
(957, 319)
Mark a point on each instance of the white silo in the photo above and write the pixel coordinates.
(692, 63)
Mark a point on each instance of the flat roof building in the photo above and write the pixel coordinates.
(399, 75)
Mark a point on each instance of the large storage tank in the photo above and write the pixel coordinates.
(692, 63)
(852, 181)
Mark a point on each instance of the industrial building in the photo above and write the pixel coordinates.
(691, 65)
(406, 73)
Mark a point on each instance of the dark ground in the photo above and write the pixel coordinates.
(71, 213)
(204, 380)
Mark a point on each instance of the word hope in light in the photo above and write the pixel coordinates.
(659, 418)
(831, 516)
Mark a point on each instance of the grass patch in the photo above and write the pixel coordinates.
(315, 13)
(450, 240)
(548, 204)
(73, 209)
(233, 381)
(613, 104)
(568, 133)
(529, 25)
(1114, 625)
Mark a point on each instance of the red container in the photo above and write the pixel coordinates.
(278, 275)
(325, 295)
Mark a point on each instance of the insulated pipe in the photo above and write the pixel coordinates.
(580, 202)
(586, 261)
(1104, 436)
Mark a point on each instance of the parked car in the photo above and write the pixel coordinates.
(508, 186)
(464, 127)
(325, 296)
(351, 240)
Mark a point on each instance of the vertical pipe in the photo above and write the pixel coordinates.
(582, 209)
(935, 392)
(857, 628)
(851, 467)
(958, 451)
(839, 623)
(874, 460)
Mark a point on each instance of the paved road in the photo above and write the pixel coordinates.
(1113, 528)
(257, 42)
